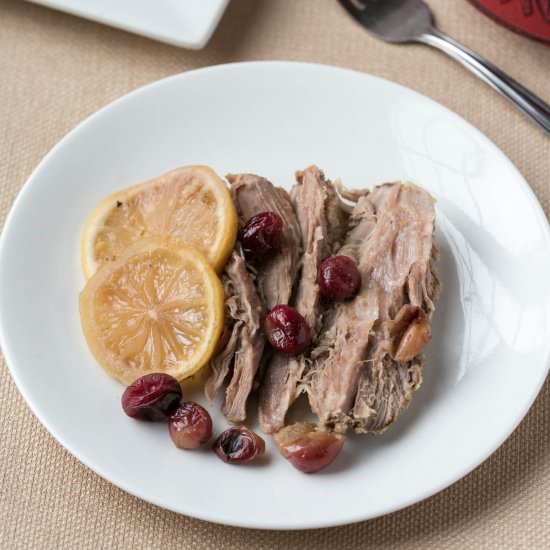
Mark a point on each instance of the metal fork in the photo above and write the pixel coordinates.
(402, 21)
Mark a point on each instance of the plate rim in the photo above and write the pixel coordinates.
(262, 524)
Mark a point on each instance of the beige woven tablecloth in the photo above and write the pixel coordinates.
(56, 69)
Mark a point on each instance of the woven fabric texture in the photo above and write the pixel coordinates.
(56, 69)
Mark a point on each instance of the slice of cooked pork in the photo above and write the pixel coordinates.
(368, 360)
(244, 349)
(275, 277)
(273, 284)
(322, 217)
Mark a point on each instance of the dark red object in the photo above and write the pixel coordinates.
(287, 330)
(190, 426)
(528, 17)
(261, 235)
(153, 397)
(238, 445)
(338, 278)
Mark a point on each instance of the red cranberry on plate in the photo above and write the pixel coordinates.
(238, 445)
(152, 397)
(338, 278)
(190, 426)
(307, 449)
(286, 330)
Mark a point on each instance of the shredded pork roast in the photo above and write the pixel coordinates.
(366, 358)
(275, 277)
(243, 351)
(248, 290)
(323, 220)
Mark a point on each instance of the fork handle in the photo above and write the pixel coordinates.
(527, 102)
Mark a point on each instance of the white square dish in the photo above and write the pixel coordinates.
(187, 24)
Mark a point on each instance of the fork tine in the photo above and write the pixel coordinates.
(353, 7)
(358, 9)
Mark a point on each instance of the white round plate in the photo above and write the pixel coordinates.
(491, 331)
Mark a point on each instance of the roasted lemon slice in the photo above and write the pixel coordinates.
(157, 308)
(191, 204)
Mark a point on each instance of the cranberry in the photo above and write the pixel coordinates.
(338, 277)
(261, 235)
(307, 449)
(238, 445)
(152, 397)
(287, 330)
(190, 426)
